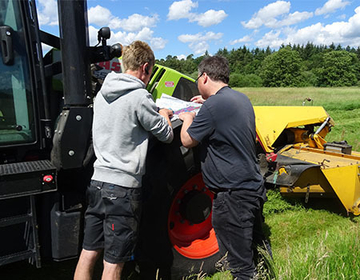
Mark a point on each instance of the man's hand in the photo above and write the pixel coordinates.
(187, 116)
(197, 99)
(186, 139)
(167, 113)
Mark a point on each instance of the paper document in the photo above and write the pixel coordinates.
(177, 105)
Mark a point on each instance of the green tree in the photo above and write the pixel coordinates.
(223, 52)
(249, 80)
(358, 52)
(292, 65)
(188, 66)
(338, 68)
(282, 69)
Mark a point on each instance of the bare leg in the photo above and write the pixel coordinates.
(112, 271)
(85, 267)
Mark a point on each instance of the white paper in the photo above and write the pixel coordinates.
(177, 105)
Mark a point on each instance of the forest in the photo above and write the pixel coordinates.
(291, 66)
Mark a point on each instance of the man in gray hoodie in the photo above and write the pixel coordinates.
(124, 116)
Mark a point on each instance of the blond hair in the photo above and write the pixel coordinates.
(137, 54)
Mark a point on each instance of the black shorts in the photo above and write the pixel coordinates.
(112, 220)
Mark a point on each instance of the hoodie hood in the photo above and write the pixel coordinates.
(118, 84)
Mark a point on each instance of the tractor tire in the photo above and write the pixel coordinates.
(176, 236)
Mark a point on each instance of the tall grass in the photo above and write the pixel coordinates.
(309, 242)
(315, 244)
(315, 241)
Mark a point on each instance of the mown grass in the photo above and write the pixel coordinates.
(317, 240)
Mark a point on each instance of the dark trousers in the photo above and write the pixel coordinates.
(237, 220)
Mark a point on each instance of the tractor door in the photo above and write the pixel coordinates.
(17, 111)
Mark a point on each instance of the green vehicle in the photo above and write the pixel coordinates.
(171, 82)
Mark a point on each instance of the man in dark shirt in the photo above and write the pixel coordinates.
(225, 127)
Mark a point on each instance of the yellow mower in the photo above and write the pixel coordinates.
(300, 161)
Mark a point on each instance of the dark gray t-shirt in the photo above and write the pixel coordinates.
(225, 126)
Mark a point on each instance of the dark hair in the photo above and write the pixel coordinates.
(216, 67)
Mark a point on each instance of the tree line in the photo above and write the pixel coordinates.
(290, 66)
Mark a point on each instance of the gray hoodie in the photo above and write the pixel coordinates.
(124, 115)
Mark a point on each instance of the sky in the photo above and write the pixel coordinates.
(189, 27)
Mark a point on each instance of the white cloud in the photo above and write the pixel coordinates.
(209, 36)
(352, 28)
(210, 17)
(313, 33)
(344, 33)
(198, 43)
(135, 22)
(126, 38)
(182, 10)
(276, 15)
(267, 15)
(135, 27)
(270, 39)
(244, 39)
(101, 16)
(47, 12)
(294, 18)
(331, 6)
(158, 43)
(199, 48)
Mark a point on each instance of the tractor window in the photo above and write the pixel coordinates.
(185, 89)
(16, 105)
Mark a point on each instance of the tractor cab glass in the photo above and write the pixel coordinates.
(185, 89)
(16, 104)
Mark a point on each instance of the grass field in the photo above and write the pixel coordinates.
(315, 240)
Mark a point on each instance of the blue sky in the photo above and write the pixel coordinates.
(181, 28)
